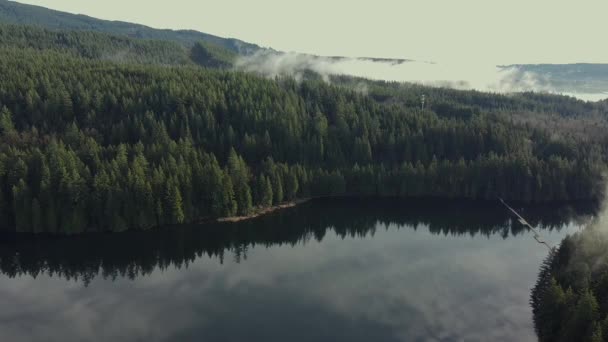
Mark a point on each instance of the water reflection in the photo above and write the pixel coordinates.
(134, 254)
(348, 270)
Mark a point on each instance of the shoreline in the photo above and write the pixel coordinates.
(259, 212)
(263, 211)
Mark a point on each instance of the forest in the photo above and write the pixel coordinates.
(91, 143)
(570, 299)
(119, 49)
(15, 13)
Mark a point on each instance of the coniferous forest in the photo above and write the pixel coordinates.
(570, 301)
(199, 182)
(108, 133)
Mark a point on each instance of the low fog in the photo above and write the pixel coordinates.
(459, 75)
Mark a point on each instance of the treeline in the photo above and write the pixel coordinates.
(93, 45)
(570, 299)
(93, 145)
(469, 102)
(568, 118)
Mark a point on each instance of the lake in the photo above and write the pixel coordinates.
(328, 270)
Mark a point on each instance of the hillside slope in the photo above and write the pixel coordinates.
(102, 46)
(86, 143)
(16, 13)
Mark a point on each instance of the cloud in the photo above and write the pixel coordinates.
(459, 75)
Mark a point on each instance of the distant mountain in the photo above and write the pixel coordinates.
(16, 13)
(578, 77)
(103, 46)
(577, 70)
(132, 43)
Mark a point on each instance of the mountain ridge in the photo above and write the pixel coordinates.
(18, 13)
(572, 78)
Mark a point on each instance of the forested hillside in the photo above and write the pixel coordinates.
(119, 49)
(15, 13)
(565, 117)
(94, 145)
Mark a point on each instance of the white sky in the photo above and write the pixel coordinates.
(489, 31)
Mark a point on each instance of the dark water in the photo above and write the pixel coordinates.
(348, 270)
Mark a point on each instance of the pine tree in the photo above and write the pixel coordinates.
(291, 185)
(23, 207)
(6, 122)
(174, 205)
(548, 319)
(239, 174)
(264, 191)
(228, 202)
(277, 188)
(580, 323)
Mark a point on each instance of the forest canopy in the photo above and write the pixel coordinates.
(90, 143)
(570, 299)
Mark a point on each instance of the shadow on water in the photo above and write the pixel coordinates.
(138, 253)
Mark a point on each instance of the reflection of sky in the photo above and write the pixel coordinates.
(401, 284)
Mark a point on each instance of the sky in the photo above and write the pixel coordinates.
(488, 31)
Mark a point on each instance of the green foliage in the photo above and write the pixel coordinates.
(581, 321)
(264, 191)
(212, 56)
(174, 205)
(292, 185)
(228, 203)
(16, 13)
(580, 313)
(95, 145)
(277, 189)
(239, 176)
(6, 121)
(117, 49)
(93, 45)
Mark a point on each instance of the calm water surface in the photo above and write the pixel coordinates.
(349, 270)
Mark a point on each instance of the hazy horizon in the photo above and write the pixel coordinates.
(465, 46)
(470, 31)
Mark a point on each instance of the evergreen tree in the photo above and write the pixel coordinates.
(291, 185)
(23, 209)
(239, 174)
(277, 188)
(264, 191)
(174, 205)
(6, 121)
(228, 202)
